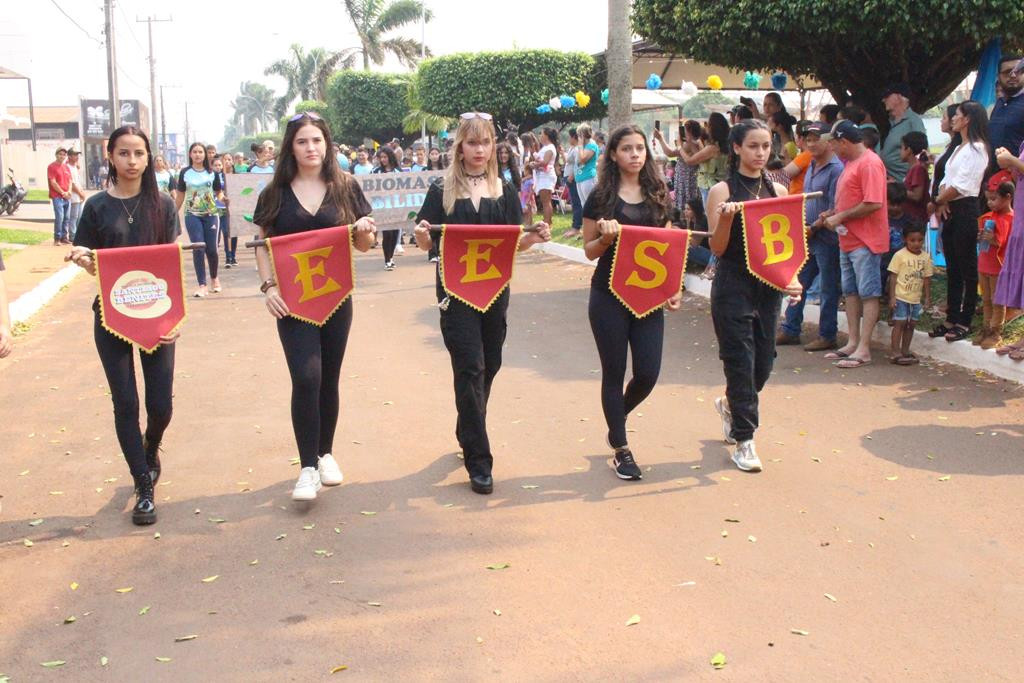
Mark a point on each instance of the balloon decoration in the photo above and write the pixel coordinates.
(544, 109)
(779, 80)
(604, 97)
(751, 80)
(582, 99)
(715, 82)
(555, 103)
(568, 102)
(443, 134)
(688, 88)
(653, 82)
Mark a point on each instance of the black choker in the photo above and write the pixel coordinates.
(476, 178)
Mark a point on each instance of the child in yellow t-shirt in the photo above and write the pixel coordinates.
(911, 267)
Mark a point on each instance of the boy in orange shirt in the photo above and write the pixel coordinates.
(991, 254)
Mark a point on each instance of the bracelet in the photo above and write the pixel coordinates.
(267, 284)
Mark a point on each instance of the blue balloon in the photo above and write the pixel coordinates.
(653, 82)
(544, 108)
(443, 135)
(604, 97)
(779, 81)
(567, 101)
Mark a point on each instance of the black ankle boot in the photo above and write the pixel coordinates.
(144, 511)
(152, 459)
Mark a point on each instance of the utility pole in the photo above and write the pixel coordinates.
(423, 54)
(152, 71)
(108, 32)
(186, 126)
(163, 124)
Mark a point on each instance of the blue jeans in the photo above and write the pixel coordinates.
(823, 261)
(61, 219)
(203, 229)
(74, 214)
(577, 207)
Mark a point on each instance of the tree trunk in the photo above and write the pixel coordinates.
(619, 58)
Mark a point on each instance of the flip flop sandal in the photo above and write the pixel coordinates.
(896, 360)
(940, 331)
(836, 355)
(1017, 354)
(850, 363)
(957, 334)
(1004, 350)
(909, 360)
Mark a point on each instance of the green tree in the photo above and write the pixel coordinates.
(417, 119)
(511, 85)
(252, 108)
(697, 106)
(317, 106)
(364, 104)
(374, 19)
(306, 74)
(854, 48)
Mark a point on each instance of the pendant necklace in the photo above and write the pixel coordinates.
(476, 178)
(131, 217)
(760, 182)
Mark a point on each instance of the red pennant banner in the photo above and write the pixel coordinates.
(477, 261)
(142, 292)
(648, 267)
(775, 239)
(314, 271)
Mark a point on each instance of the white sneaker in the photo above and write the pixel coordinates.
(399, 249)
(330, 473)
(307, 485)
(722, 406)
(746, 458)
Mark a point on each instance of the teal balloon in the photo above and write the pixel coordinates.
(604, 97)
(544, 109)
(751, 80)
(653, 82)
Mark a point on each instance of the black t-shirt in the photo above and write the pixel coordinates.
(741, 189)
(504, 210)
(292, 217)
(626, 214)
(104, 221)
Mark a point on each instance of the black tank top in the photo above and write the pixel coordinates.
(742, 189)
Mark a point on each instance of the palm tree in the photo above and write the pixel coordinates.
(417, 119)
(252, 107)
(307, 74)
(375, 18)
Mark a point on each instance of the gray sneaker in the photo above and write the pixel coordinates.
(746, 458)
(722, 406)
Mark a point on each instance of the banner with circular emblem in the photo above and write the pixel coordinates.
(142, 292)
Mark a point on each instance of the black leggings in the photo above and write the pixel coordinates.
(314, 356)
(118, 362)
(745, 313)
(389, 242)
(616, 330)
(960, 243)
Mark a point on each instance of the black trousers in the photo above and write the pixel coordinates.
(389, 241)
(118, 362)
(745, 313)
(616, 333)
(474, 342)
(960, 244)
(314, 355)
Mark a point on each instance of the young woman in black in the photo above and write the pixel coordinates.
(630, 191)
(744, 310)
(309, 192)
(388, 163)
(473, 192)
(131, 212)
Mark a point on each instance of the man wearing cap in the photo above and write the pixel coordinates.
(902, 120)
(860, 219)
(58, 178)
(77, 194)
(1006, 124)
(822, 175)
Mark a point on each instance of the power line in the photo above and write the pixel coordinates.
(69, 18)
(130, 31)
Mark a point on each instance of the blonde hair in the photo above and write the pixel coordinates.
(584, 131)
(456, 183)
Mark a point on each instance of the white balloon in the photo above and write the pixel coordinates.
(555, 103)
(688, 88)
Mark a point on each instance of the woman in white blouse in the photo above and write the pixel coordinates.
(958, 206)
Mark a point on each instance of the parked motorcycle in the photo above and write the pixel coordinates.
(11, 195)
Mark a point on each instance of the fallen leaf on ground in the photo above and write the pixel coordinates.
(211, 579)
(254, 563)
(502, 565)
(944, 478)
(752, 539)
(831, 597)
(216, 520)
(725, 534)
(687, 583)
(156, 535)
(892, 478)
(530, 486)
(497, 612)
(54, 664)
(732, 520)
(374, 604)
(127, 589)
(144, 610)
(70, 620)
(74, 585)
(35, 522)
(27, 543)
(308, 527)
(182, 639)
(633, 620)
(799, 632)
(23, 473)
(367, 513)
(104, 661)
(338, 668)
(718, 660)
(163, 659)
(280, 536)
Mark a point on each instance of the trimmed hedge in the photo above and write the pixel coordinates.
(511, 85)
(363, 104)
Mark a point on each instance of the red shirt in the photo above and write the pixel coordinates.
(917, 176)
(62, 174)
(991, 262)
(863, 180)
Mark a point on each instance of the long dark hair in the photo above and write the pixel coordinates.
(392, 159)
(652, 185)
(785, 121)
(552, 136)
(737, 135)
(513, 166)
(700, 218)
(977, 126)
(440, 160)
(153, 228)
(718, 132)
(954, 138)
(206, 155)
(340, 186)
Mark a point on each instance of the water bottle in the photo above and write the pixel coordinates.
(986, 234)
(841, 229)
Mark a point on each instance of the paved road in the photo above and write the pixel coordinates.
(895, 491)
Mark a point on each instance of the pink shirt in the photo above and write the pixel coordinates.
(863, 180)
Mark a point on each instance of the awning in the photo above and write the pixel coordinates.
(644, 99)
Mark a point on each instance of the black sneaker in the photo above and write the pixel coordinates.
(144, 511)
(152, 459)
(625, 465)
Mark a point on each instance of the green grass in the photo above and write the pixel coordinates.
(37, 196)
(13, 236)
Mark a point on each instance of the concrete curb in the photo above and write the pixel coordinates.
(29, 303)
(963, 354)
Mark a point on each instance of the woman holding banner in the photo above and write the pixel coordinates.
(388, 163)
(473, 193)
(629, 191)
(744, 309)
(309, 192)
(131, 212)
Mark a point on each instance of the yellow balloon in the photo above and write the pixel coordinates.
(582, 99)
(714, 82)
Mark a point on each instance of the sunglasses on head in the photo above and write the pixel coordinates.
(308, 114)
(475, 115)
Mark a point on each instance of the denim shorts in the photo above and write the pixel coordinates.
(905, 311)
(862, 273)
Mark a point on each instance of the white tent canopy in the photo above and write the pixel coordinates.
(654, 99)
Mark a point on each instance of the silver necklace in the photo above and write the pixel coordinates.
(131, 217)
